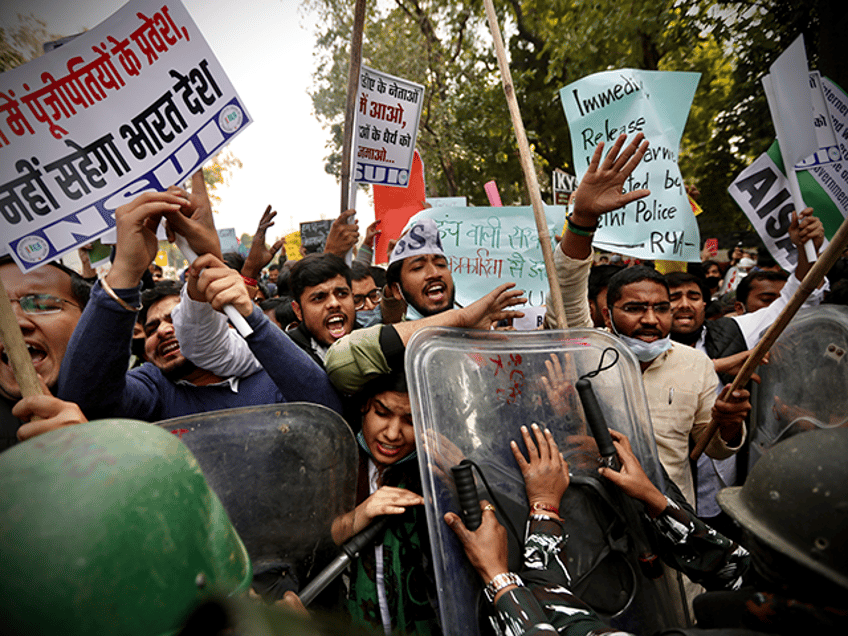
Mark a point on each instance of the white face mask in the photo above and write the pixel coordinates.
(644, 351)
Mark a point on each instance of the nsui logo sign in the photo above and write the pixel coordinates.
(230, 119)
(32, 249)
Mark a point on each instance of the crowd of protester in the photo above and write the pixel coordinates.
(132, 344)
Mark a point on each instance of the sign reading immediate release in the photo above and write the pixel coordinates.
(136, 104)
(387, 113)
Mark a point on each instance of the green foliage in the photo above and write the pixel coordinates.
(466, 136)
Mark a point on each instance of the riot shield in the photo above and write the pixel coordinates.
(470, 393)
(805, 384)
(283, 472)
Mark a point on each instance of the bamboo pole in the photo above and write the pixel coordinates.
(16, 349)
(528, 168)
(350, 109)
(812, 280)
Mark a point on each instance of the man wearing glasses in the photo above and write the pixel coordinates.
(48, 303)
(680, 382)
(366, 295)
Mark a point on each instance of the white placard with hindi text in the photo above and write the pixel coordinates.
(135, 104)
(387, 112)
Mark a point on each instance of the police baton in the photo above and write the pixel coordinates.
(350, 550)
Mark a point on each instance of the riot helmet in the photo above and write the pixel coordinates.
(795, 501)
(110, 527)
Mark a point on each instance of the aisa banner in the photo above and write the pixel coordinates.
(601, 107)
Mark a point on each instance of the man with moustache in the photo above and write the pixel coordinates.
(680, 383)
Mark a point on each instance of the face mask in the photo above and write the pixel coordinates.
(369, 317)
(647, 351)
(644, 351)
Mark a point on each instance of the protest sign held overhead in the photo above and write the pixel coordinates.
(393, 207)
(313, 235)
(488, 246)
(603, 106)
(136, 104)
(763, 191)
(387, 113)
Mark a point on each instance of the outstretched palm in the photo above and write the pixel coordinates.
(601, 189)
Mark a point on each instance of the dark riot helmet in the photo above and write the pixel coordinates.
(795, 501)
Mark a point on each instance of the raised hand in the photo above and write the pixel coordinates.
(545, 471)
(343, 234)
(601, 189)
(260, 254)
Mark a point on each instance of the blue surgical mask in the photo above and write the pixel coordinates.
(369, 317)
(644, 351)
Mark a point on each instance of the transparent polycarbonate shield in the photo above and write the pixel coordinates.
(283, 472)
(805, 384)
(470, 393)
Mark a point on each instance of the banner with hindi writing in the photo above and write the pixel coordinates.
(135, 104)
(387, 112)
(487, 246)
(605, 105)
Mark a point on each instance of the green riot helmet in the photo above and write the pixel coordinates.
(795, 501)
(110, 527)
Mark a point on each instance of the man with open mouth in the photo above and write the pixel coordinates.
(94, 371)
(48, 303)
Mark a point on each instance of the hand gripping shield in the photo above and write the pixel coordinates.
(470, 393)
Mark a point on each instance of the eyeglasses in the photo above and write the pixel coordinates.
(375, 296)
(39, 304)
(640, 309)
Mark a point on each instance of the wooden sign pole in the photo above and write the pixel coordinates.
(529, 169)
(352, 89)
(16, 348)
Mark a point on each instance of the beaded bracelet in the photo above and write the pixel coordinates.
(502, 580)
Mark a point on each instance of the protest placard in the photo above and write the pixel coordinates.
(488, 246)
(229, 240)
(387, 113)
(135, 104)
(313, 235)
(292, 246)
(603, 106)
(763, 191)
(393, 207)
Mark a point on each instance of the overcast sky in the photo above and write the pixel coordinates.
(265, 47)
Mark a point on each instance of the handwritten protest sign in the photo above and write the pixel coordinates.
(488, 246)
(138, 103)
(313, 235)
(601, 107)
(763, 191)
(387, 113)
(229, 240)
(292, 246)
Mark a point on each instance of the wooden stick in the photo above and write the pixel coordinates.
(528, 168)
(352, 89)
(16, 349)
(812, 280)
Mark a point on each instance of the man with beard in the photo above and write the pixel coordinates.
(94, 369)
(419, 273)
(48, 303)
